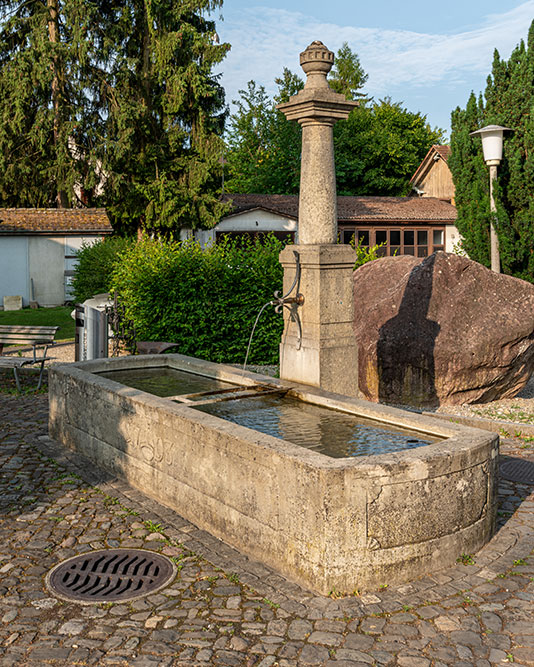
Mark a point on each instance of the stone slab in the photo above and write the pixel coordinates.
(13, 302)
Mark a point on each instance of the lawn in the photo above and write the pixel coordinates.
(43, 317)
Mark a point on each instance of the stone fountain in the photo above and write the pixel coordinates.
(318, 346)
(346, 523)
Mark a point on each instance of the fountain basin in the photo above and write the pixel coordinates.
(327, 523)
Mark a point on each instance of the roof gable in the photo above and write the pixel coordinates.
(435, 152)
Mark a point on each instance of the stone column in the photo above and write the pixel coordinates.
(325, 355)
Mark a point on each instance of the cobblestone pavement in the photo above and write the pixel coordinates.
(223, 609)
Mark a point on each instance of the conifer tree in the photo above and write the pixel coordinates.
(165, 115)
(508, 100)
(45, 51)
(120, 93)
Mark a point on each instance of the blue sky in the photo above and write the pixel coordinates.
(428, 56)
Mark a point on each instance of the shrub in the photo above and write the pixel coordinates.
(366, 254)
(204, 300)
(92, 274)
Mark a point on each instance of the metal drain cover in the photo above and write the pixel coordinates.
(518, 470)
(110, 575)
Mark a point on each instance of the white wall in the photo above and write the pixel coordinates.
(45, 261)
(14, 277)
(248, 221)
(452, 237)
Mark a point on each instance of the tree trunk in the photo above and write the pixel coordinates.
(57, 86)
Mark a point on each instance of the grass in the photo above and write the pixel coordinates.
(43, 317)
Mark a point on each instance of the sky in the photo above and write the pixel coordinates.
(428, 56)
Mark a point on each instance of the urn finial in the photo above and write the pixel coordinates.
(316, 61)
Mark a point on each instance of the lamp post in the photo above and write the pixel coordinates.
(492, 139)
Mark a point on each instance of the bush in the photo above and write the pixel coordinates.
(96, 261)
(366, 254)
(204, 300)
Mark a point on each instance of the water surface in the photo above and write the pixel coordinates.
(165, 381)
(330, 432)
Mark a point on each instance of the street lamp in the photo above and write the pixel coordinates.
(492, 137)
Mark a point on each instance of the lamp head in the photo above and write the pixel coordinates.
(492, 139)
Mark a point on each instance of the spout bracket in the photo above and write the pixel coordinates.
(292, 302)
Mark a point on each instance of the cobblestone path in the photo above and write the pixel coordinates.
(223, 609)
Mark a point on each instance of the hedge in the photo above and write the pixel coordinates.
(96, 261)
(204, 300)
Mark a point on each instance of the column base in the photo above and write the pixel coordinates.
(326, 355)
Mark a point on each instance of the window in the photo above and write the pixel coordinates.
(398, 241)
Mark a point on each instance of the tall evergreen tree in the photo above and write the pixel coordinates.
(120, 92)
(45, 53)
(164, 115)
(509, 101)
(347, 76)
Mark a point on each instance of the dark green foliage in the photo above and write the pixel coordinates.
(121, 94)
(347, 76)
(164, 115)
(263, 147)
(508, 100)
(46, 49)
(205, 300)
(95, 266)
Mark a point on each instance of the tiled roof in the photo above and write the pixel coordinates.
(444, 151)
(54, 221)
(356, 209)
(287, 205)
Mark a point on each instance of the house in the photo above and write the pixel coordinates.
(405, 225)
(433, 177)
(38, 250)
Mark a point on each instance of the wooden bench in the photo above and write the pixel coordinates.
(25, 335)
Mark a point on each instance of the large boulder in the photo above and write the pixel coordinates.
(442, 330)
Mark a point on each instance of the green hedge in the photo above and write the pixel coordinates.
(204, 300)
(95, 265)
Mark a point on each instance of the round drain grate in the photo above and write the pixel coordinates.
(110, 575)
(518, 470)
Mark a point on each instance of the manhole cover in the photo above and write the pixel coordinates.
(110, 575)
(518, 470)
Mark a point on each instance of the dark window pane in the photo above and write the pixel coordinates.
(409, 238)
(348, 235)
(437, 237)
(381, 236)
(394, 250)
(394, 237)
(422, 239)
(363, 237)
(382, 251)
(422, 251)
(408, 250)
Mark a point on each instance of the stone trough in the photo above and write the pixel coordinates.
(327, 523)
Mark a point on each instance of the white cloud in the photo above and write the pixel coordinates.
(265, 40)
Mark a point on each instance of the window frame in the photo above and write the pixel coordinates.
(372, 230)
